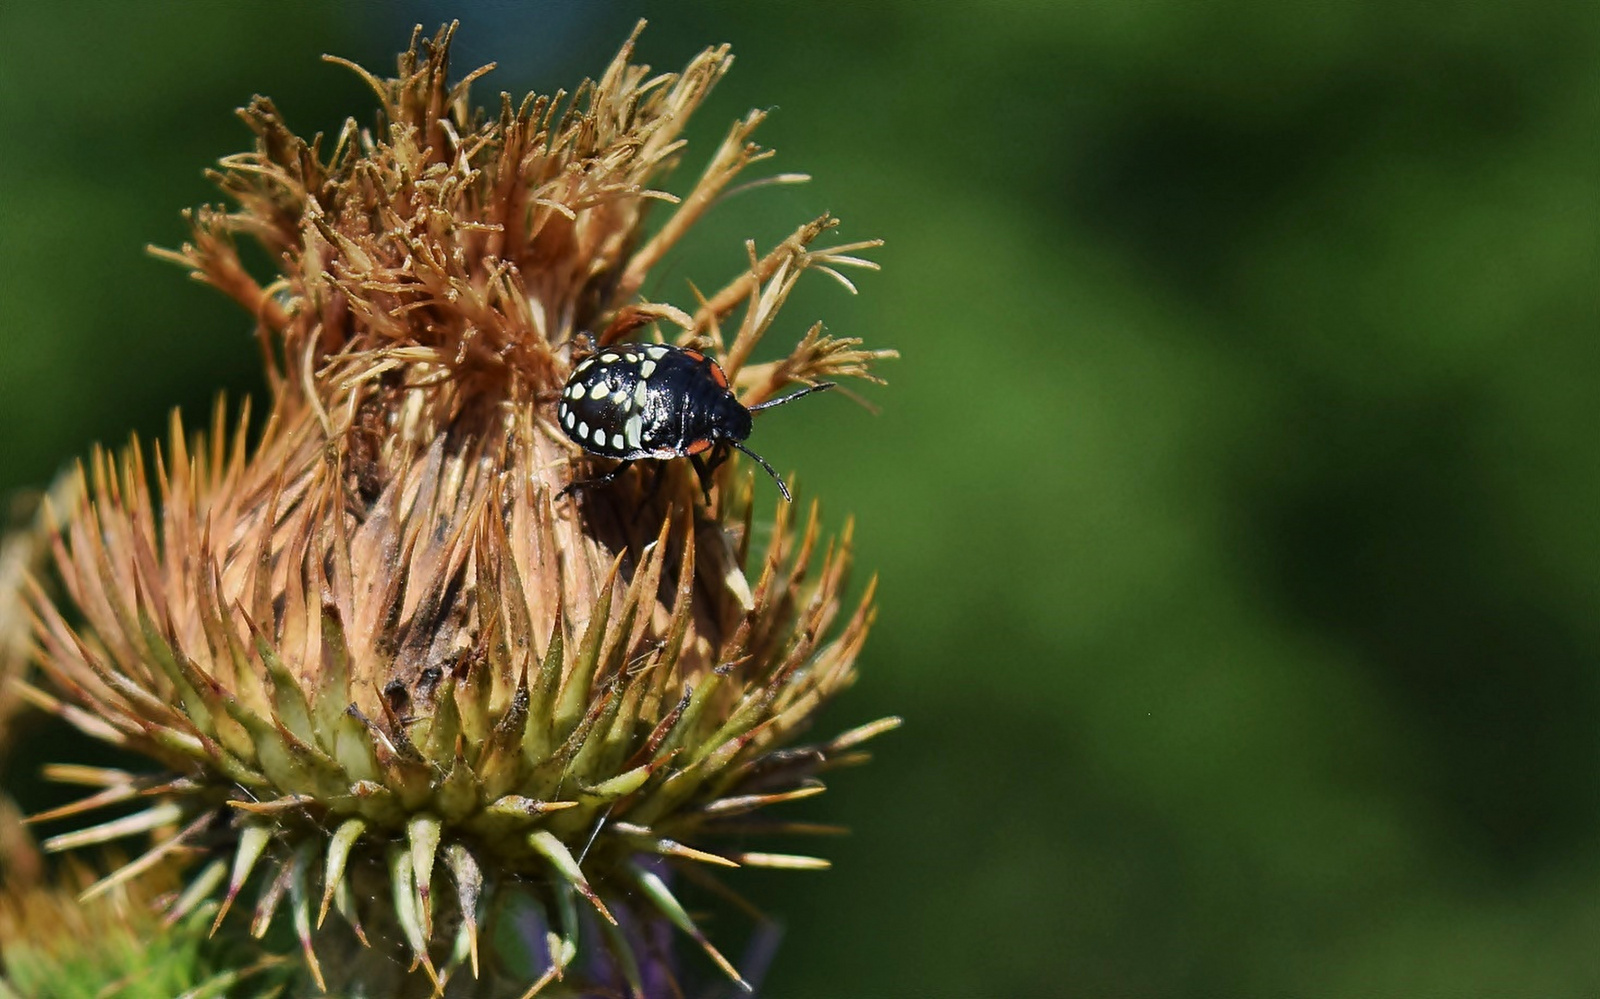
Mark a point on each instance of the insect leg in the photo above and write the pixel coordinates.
(719, 454)
(604, 480)
(703, 472)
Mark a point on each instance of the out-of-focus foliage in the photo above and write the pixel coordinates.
(52, 946)
(1234, 499)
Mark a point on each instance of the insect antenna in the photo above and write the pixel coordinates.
(763, 462)
(818, 387)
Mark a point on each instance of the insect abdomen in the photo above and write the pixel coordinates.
(613, 405)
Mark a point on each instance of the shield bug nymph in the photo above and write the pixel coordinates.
(650, 400)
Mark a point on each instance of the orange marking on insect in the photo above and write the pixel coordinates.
(700, 446)
(712, 368)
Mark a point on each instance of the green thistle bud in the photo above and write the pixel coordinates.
(52, 943)
(395, 673)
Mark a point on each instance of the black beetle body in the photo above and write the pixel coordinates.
(651, 400)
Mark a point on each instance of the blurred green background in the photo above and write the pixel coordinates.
(1235, 499)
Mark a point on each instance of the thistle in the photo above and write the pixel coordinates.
(465, 733)
(23, 552)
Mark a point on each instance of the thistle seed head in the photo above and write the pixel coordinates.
(390, 670)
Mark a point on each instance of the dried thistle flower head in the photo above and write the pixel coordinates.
(393, 671)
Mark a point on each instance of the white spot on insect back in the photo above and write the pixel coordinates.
(647, 369)
(600, 436)
(620, 397)
(598, 390)
(633, 428)
(656, 352)
(575, 390)
(631, 357)
(568, 417)
(639, 392)
(616, 441)
(583, 430)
